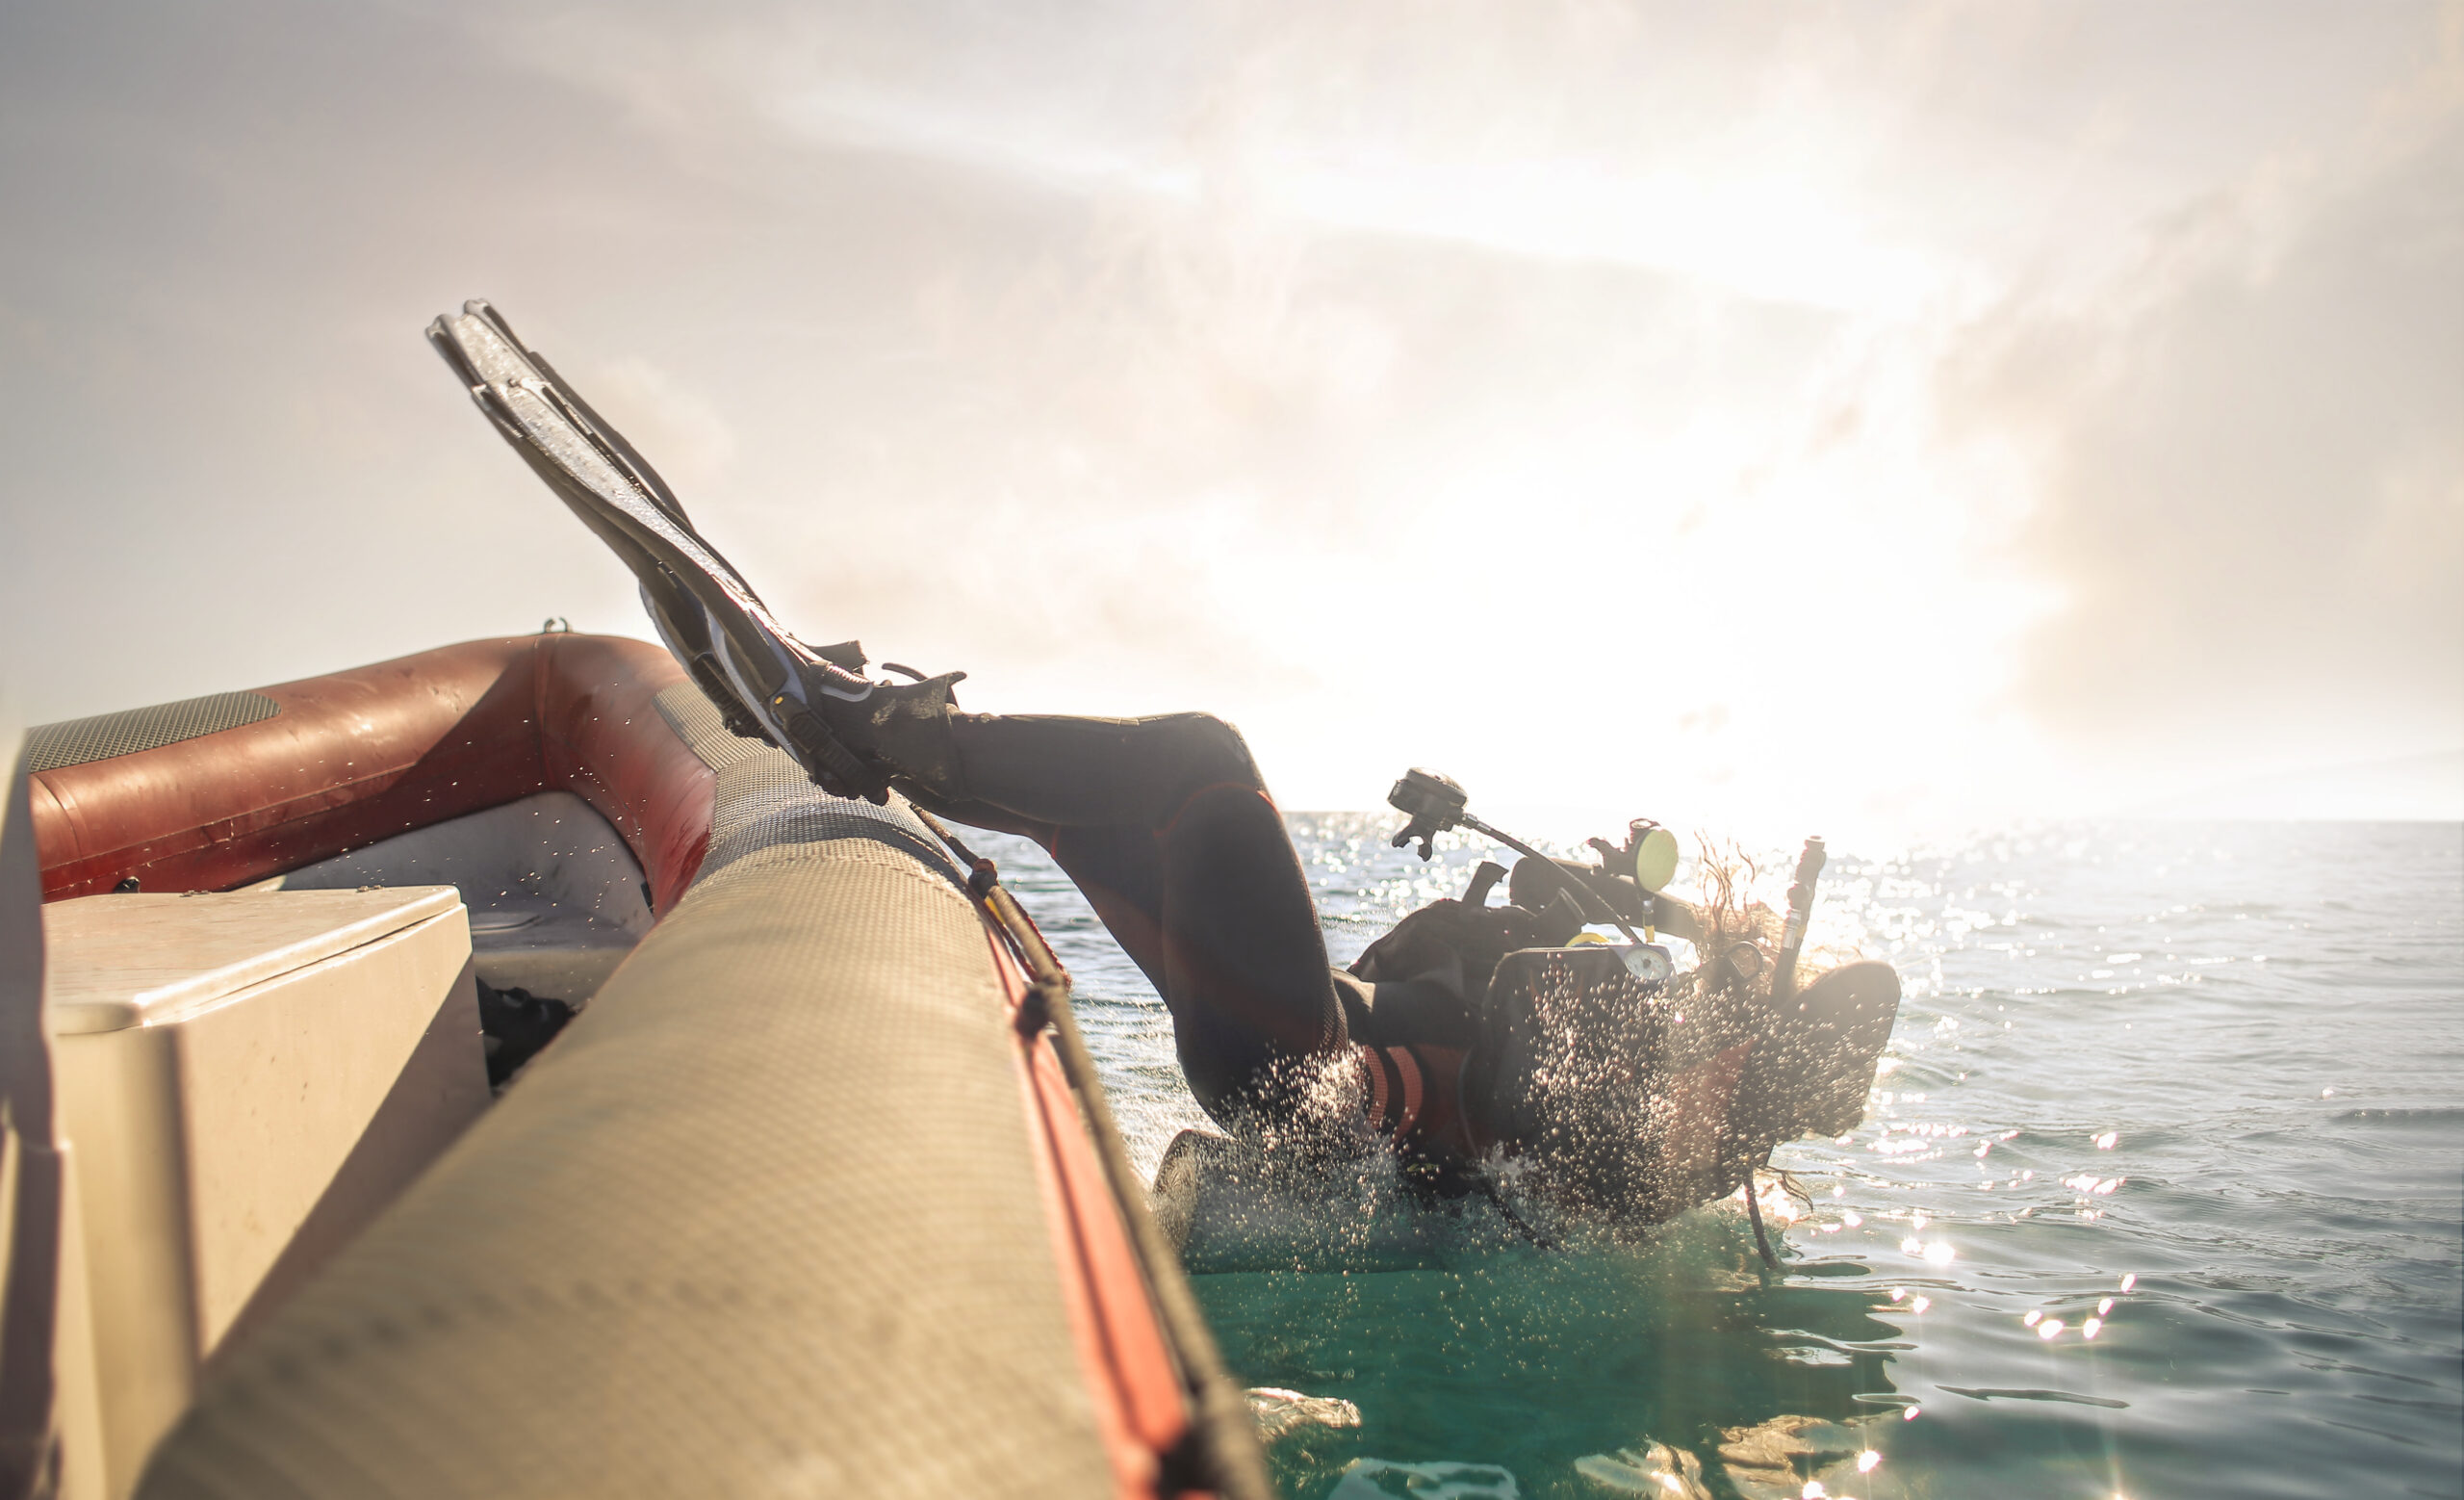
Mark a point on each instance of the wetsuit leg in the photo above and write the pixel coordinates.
(1166, 827)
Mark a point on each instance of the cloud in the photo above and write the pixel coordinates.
(1392, 367)
(2250, 449)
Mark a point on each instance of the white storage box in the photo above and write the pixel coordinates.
(246, 1080)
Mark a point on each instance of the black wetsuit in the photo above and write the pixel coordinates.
(1166, 826)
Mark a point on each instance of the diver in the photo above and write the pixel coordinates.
(1166, 825)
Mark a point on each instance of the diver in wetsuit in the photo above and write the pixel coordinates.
(1166, 826)
(1164, 823)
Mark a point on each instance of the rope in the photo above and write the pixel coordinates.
(1231, 1462)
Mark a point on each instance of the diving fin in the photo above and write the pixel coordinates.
(847, 733)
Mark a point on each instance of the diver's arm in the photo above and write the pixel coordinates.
(1676, 918)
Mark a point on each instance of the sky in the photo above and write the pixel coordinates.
(1871, 416)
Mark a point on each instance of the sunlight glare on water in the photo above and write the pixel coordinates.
(2159, 1192)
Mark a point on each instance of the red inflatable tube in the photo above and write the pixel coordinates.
(1138, 1403)
(363, 755)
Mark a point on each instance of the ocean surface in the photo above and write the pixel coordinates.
(2161, 1193)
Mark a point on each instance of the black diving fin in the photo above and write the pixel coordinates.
(813, 703)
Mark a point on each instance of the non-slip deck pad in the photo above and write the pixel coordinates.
(764, 1221)
(51, 747)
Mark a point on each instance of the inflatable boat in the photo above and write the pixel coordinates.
(810, 1195)
(505, 1071)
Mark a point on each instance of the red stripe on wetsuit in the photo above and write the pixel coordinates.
(1412, 1094)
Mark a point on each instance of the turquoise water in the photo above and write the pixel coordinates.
(2202, 1085)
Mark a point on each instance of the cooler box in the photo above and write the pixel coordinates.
(246, 1080)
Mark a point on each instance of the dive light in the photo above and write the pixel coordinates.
(1655, 855)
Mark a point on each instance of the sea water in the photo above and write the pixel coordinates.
(2159, 1192)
